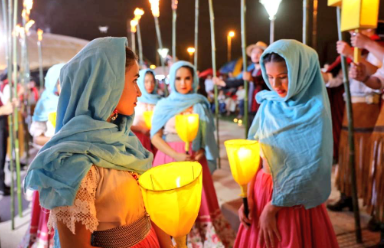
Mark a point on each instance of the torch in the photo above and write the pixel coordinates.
(39, 40)
(138, 14)
(133, 24)
(156, 13)
(174, 17)
(271, 6)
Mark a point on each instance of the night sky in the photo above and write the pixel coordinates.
(81, 18)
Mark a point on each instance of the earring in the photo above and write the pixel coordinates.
(115, 115)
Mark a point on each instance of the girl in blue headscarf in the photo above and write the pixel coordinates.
(183, 99)
(293, 126)
(87, 173)
(147, 102)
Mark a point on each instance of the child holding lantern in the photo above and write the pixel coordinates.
(293, 126)
(147, 102)
(210, 229)
(87, 173)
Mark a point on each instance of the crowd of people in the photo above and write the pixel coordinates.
(84, 178)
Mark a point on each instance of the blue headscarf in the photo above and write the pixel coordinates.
(92, 84)
(48, 100)
(150, 98)
(295, 132)
(176, 103)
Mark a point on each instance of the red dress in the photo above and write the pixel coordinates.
(298, 227)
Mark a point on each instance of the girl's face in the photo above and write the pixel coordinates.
(278, 77)
(149, 82)
(131, 91)
(184, 80)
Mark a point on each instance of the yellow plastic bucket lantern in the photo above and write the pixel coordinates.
(148, 118)
(244, 160)
(359, 14)
(52, 118)
(187, 127)
(172, 197)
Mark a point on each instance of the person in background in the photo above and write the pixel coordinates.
(240, 94)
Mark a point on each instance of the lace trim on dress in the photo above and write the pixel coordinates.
(83, 209)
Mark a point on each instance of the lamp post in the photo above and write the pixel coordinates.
(230, 35)
(138, 14)
(191, 51)
(271, 6)
(156, 13)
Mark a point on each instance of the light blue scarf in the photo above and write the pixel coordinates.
(150, 98)
(176, 103)
(295, 132)
(48, 100)
(92, 84)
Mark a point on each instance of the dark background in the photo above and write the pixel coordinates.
(81, 18)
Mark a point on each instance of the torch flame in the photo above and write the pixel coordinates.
(133, 25)
(28, 4)
(138, 13)
(29, 25)
(40, 34)
(155, 7)
(174, 4)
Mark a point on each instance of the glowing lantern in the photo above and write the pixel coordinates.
(187, 127)
(334, 3)
(172, 197)
(52, 118)
(148, 118)
(359, 14)
(244, 160)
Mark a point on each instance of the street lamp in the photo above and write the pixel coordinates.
(271, 6)
(191, 51)
(230, 35)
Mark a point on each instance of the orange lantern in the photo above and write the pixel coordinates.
(187, 127)
(172, 197)
(244, 160)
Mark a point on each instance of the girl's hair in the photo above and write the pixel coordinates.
(190, 69)
(273, 57)
(130, 57)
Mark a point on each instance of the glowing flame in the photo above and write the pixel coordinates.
(191, 50)
(18, 31)
(29, 25)
(155, 7)
(40, 34)
(138, 13)
(271, 6)
(133, 25)
(28, 4)
(231, 34)
(174, 4)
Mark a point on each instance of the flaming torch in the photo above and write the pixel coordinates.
(39, 40)
(174, 17)
(138, 13)
(133, 31)
(156, 13)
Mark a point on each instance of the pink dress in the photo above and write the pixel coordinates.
(298, 227)
(211, 229)
(139, 122)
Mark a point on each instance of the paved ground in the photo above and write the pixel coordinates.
(227, 191)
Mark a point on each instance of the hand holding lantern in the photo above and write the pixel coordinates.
(244, 160)
(187, 127)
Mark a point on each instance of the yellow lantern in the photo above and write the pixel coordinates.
(187, 127)
(334, 3)
(244, 160)
(52, 118)
(172, 197)
(148, 118)
(359, 14)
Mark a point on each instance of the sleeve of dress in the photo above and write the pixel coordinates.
(83, 209)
